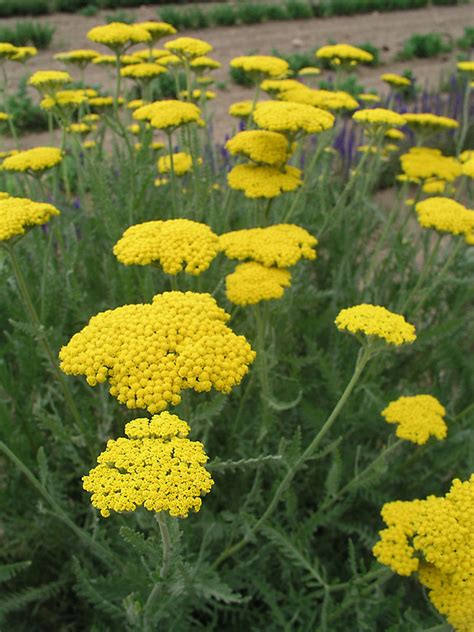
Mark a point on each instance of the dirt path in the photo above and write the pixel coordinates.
(386, 31)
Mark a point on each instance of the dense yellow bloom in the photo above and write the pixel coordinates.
(23, 53)
(435, 537)
(263, 147)
(118, 35)
(36, 159)
(252, 282)
(156, 467)
(142, 71)
(468, 168)
(103, 102)
(65, 100)
(395, 80)
(197, 94)
(188, 47)
(150, 54)
(434, 186)
(170, 60)
(79, 128)
(418, 417)
(4, 116)
(200, 64)
(445, 215)
(309, 70)
(394, 134)
(261, 65)
(368, 97)
(7, 50)
(111, 60)
(4, 195)
(241, 109)
(157, 30)
(152, 352)
(294, 118)
(177, 244)
(324, 99)
(425, 162)
(17, 214)
(430, 122)
(466, 155)
(275, 86)
(344, 53)
(182, 163)
(136, 103)
(169, 114)
(262, 181)
(280, 245)
(465, 66)
(49, 79)
(80, 57)
(374, 320)
(378, 117)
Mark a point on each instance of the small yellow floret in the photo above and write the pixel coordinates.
(374, 320)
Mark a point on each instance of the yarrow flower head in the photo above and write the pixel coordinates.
(182, 163)
(168, 115)
(280, 245)
(435, 537)
(445, 215)
(252, 282)
(292, 118)
(325, 99)
(19, 214)
(275, 86)
(156, 466)
(81, 57)
(344, 54)
(427, 122)
(150, 353)
(23, 53)
(420, 163)
(142, 72)
(66, 101)
(376, 321)
(261, 146)
(466, 67)
(48, 80)
(375, 119)
(241, 109)
(118, 36)
(157, 30)
(201, 64)
(263, 181)
(36, 160)
(177, 244)
(418, 417)
(188, 47)
(396, 81)
(260, 66)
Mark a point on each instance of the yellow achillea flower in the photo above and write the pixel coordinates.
(252, 282)
(280, 245)
(465, 66)
(118, 35)
(418, 417)
(394, 134)
(148, 54)
(152, 352)
(7, 50)
(309, 70)
(261, 65)
(344, 53)
(324, 99)
(136, 103)
(468, 168)
(368, 97)
(197, 94)
(169, 114)
(261, 146)
(425, 162)
(435, 186)
(49, 79)
(435, 537)
(64, 100)
(4, 195)
(177, 244)
(37, 159)
(81, 57)
(188, 47)
(200, 64)
(377, 321)
(143, 71)
(466, 155)
(157, 30)
(275, 86)
(79, 128)
(395, 80)
(378, 118)
(263, 181)
(18, 214)
(182, 163)
(241, 109)
(4, 116)
(445, 215)
(429, 122)
(292, 118)
(103, 102)
(156, 467)
(23, 53)
(111, 60)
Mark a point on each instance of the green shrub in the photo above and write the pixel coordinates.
(251, 13)
(24, 7)
(70, 6)
(423, 46)
(171, 15)
(446, 2)
(240, 77)
(223, 15)
(467, 40)
(27, 115)
(28, 32)
(276, 12)
(298, 10)
(89, 10)
(127, 17)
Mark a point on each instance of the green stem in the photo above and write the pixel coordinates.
(465, 120)
(165, 564)
(262, 369)
(172, 176)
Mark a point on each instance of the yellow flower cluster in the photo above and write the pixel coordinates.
(436, 537)
(374, 320)
(118, 35)
(378, 118)
(241, 109)
(261, 146)
(309, 71)
(276, 86)
(445, 215)
(10, 52)
(395, 80)
(261, 65)
(368, 97)
(199, 64)
(4, 116)
(325, 99)
(169, 114)
(431, 122)
(156, 467)
(292, 118)
(65, 100)
(188, 47)
(37, 159)
(252, 282)
(465, 66)
(197, 94)
(418, 417)
(182, 163)
(111, 60)
(425, 162)
(49, 79)
(344, 53)
(157, 30)
(280, 245)
(79, 128)
(152, 352)
(178, 244)
(263, 181)
(17, 214)
(143, 71)
(80, 57)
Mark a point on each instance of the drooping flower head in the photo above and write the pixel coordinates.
(280, 245)
(19, 214)
(118, 36)
(156, 467)
(150, 353)
(292, 118)
(188, 48)
(252, 282)
(263, 181)
(376, 321)
(37, 160)
(445, 215)
(418, 417)
(260, 66)
(261, 146)
(177, 244)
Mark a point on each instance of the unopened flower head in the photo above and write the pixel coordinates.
(253, 282)
(263, 181)
(37, 159)
(176, 244)
(156, 466)
(377, 322)
(118, 36)
(418, 417)
(292, 118)
(261, 66)
(19, 214)
(261, 146)
(150, 353)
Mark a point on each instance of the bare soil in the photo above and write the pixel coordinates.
(387, 31)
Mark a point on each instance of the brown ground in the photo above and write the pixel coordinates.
(387, 31)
